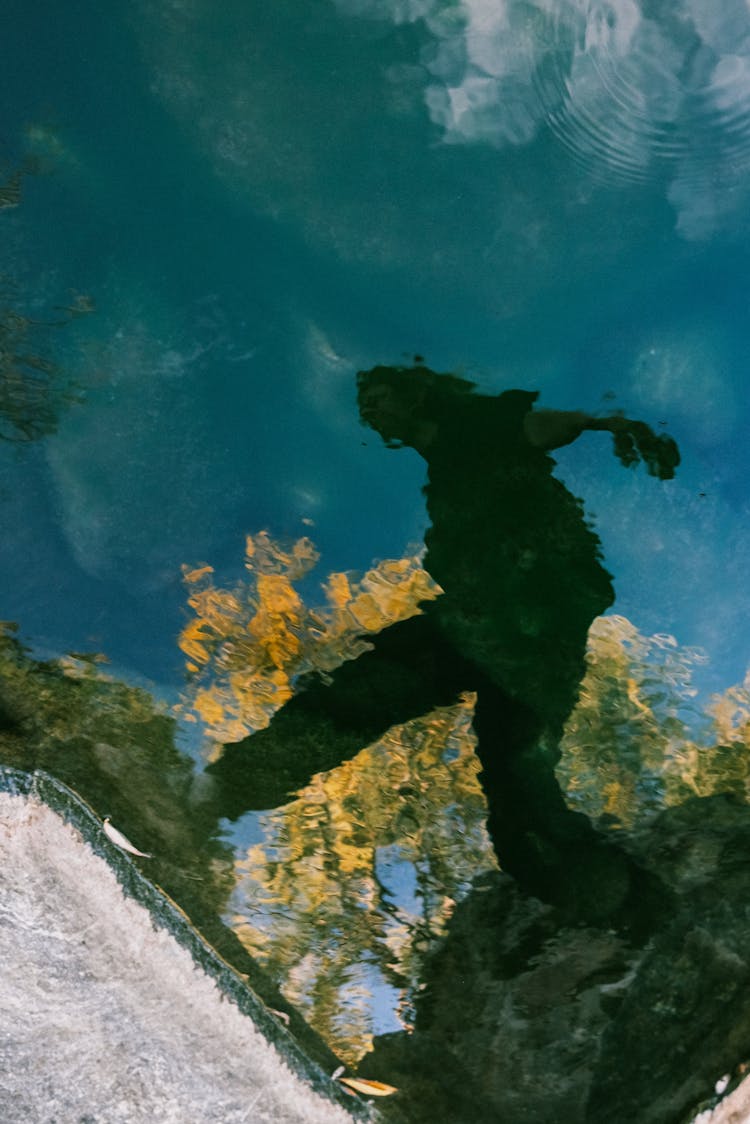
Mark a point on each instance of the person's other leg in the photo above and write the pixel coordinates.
(553, 852)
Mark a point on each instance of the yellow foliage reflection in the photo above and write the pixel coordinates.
(637, 740)
(354, 880)
(246, 645)
(357, 877)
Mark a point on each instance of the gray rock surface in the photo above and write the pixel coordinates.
(105, 1018)
(526, 1018)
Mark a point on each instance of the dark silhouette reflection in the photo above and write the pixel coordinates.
(523, 1017)
(522, 579)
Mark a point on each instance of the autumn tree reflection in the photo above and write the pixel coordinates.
(638, 742)
(356, 878)
(322, 901)
(247, 644)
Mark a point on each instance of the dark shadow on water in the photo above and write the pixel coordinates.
(522, 581)
(525, 1017)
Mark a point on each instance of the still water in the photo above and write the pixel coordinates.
(444, 632)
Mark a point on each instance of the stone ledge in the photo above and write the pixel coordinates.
(112, 1007)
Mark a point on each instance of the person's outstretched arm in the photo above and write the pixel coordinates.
(633, 440)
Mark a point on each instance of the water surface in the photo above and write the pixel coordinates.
(212, 220)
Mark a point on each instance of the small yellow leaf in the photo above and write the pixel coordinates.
(368, 1088)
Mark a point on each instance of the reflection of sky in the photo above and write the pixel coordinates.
(258, 212)
(399, 880)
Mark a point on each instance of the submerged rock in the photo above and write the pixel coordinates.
(509, 1024)
(525, 1017)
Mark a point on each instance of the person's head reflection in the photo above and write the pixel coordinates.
(404, 404)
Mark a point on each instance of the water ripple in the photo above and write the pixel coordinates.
(633, 92)
(633, 97)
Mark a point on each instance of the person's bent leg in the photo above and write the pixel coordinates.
(408, 672)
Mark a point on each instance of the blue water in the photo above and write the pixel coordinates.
(263, 198)
(260, 203)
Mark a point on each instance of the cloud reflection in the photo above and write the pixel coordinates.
(633, 94)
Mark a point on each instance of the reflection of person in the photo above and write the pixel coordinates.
(522, 582)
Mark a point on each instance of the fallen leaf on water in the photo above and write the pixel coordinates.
(368, 1088)
(122, 841)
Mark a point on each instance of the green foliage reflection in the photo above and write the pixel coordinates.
(115, 745)
(323, 900)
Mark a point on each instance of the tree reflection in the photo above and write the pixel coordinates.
(356, 879)
(115, 744)
(527, 1016)
(637, 742)
(34, 388)
(248, 644)
(316, 901)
